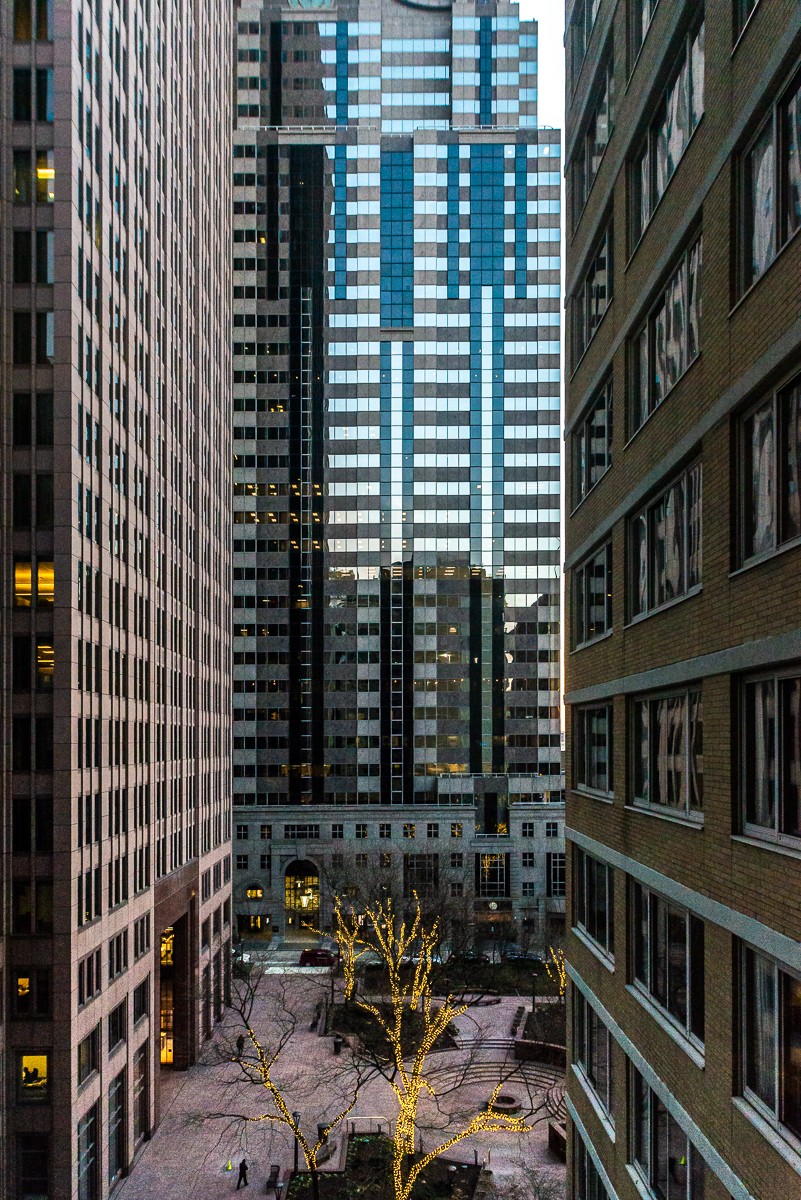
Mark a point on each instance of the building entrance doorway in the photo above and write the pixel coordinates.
(167, 996)
(302, 900)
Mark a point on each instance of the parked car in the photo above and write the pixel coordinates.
(317, 957)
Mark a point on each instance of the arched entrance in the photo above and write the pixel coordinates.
(302, 900)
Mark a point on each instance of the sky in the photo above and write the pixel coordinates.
(550, 15)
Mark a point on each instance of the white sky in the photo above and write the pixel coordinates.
(550, 14)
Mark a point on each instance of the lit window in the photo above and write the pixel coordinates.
(33, 1081)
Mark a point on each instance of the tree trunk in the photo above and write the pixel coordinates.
(315, 1182)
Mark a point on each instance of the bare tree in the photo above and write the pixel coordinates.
(412, 1026)
(530, 1183)
(261, 1023)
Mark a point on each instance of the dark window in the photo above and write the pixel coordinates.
(660, 1150)
(771, 185)
(592, 1049)
(669, 340)
(23, 257)
(770, 1004)
(667, 948)
(22, 333)
(33, 1166)
(595, 137)
(555, 873)
(592, 750)
(594, 899)
(665, 545)
(678, 113)
(593, 295)
(420, 874)
(667, 752)
(592, 596)
(141, 998)
(88, 1155)
(89, 1055)
(117, 1157)
(21, 92)
(771, 756)
(770, 473)
(592, 444)
(117, 1025)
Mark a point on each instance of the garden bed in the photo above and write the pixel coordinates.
(350, 1021)
(546, 1024)
(368, 1174)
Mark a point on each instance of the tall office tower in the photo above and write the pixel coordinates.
(396, 561)
(684, 671)
(116, 610)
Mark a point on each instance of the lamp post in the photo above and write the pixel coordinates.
(296, 1119)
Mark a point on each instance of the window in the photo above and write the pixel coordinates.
(742, 11)
(409, 830)
(385, 830)
(337, 831)
(242, 862)
(592, 592)
(667, 756)
(592, 751)
(361, 830)
(595, 138)
(640, 14)
(665, 545)
(552, 829)
(678, 113)
(592, 444)
(265, 862)
(361, 862)
(770, 485)
(593, 295)
(581, 26)
(420, 874)
(669, 341)
(265, 832)
(337, 862)
(594, 899)
(117, 1025)
(30, 992)
(529, 858)
(457, 861)
(242, 832)
(527, 829)
(528, 888)
(33, 1165)
(662, 1154)
(771, 185)
(88, 1155)
(770, 1006)
(456, 829)
(141, 1094)
(33, 1080)
(588, 1185)
(457, 888)
(89, 1055)
(492, 875)
(555, 873)
(432, 829)
(668, 958)
(771, 750)
(117, 1158)
(385, 861)
(32, 20)
(592, 1050)
(300, 832)
(89, 978)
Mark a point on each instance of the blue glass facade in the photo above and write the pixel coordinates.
(397, 238)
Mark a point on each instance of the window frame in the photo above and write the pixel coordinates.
(780, 237)
(647, 1172)
(583, 595)
(635, 564)
(585, 887)
(772, 1114)
(581, 298)
(778, 485)
(763, 833)
(648, 909)
(640, 411)
(581, 755)
(646, 146)
(635, 49)
(581, 171)
(584, 1048)
(688, 812)
(582, 441)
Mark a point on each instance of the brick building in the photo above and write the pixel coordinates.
(683, 663)
(116, 455)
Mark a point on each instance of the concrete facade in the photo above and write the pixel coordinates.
(683, 604)
(115, 602)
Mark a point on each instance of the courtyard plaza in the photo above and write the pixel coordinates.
(194, 1154)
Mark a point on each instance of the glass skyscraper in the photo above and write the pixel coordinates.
(396, 425)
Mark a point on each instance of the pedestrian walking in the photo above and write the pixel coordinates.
(240, 1045)
(242, 1181)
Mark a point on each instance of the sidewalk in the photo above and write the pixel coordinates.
(189, 1152)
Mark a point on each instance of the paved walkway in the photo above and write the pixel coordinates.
(188, 1155)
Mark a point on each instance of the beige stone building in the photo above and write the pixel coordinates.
(116, 453)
